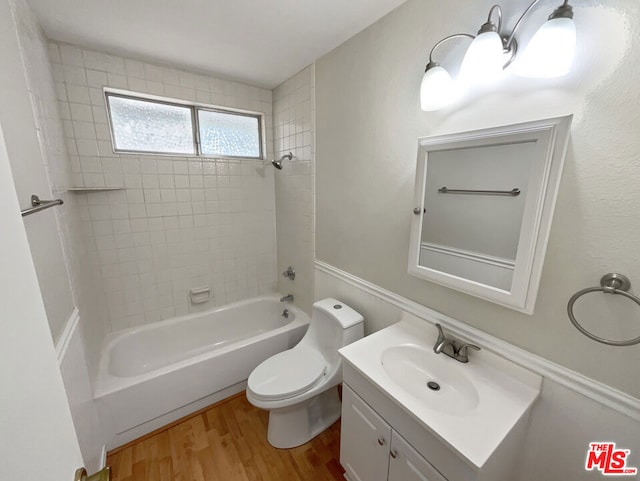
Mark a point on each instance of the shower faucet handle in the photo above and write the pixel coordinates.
(290, 273)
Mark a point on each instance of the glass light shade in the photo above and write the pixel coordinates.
(484, 59)
(550, 52)
(437, 89)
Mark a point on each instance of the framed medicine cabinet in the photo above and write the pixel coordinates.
(484, 203)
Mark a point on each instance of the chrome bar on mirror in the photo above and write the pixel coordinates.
(512, 192)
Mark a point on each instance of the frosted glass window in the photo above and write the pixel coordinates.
(229, 134)
(154, 126)
(148, 126)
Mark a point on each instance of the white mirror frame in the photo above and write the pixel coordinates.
(542, 191)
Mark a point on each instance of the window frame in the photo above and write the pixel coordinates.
(194, 107)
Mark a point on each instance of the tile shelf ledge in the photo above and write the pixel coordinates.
(81, 190)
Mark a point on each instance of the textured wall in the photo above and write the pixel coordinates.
(293, 125)
(368, 122)
(181, 222)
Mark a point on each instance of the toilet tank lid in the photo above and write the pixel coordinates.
(345, 315)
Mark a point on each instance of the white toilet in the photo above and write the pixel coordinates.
(299, 386)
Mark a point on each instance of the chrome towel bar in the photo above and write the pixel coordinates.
(512, 192)
(609, 284)
(37, 205)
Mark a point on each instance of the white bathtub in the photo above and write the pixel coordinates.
(152, 375)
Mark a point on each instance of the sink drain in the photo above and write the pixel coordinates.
(434, 386)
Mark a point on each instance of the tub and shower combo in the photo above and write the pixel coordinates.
(152, 375)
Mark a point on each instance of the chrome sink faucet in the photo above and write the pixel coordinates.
(448, 346)
(443, 343)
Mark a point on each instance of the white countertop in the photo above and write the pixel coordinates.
(505, 390)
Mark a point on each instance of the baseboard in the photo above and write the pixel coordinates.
(590, 388)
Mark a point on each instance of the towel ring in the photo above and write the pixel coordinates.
(609, 284)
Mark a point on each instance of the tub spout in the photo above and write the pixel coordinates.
(287, 298)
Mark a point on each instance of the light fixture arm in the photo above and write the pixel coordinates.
(445, 39)
(508, 47)
(549, 54)
(511, 37)
(489, 26)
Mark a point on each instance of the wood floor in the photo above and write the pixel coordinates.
(226, 442)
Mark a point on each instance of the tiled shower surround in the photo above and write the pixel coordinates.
(177, 222)
(293, 121)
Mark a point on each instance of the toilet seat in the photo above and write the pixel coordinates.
(286, 374)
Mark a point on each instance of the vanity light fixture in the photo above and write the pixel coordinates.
(483, 61)
(438, 89)
(549, 54)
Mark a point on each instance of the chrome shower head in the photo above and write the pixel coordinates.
(278, 163)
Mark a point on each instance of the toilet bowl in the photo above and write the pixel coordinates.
(299, 386)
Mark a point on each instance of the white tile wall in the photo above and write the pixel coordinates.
(294, 114)
(71, 264)
(65, 273)
(38, 166)
(180, 222)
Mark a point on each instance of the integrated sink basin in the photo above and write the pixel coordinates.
(469, 407)
(437, 380)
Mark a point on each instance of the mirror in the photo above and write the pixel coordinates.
(484, 202)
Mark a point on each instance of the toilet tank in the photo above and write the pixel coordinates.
(333, 325)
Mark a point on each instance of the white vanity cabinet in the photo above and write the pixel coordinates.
(370, 450)
(397, 427)
(364, 441)
(406, 464)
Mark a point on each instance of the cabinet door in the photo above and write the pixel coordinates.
(407, 465)
(364, 440)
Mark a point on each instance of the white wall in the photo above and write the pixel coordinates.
(293, 125)
(369, 120)
(181, 222)
(37, 440)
